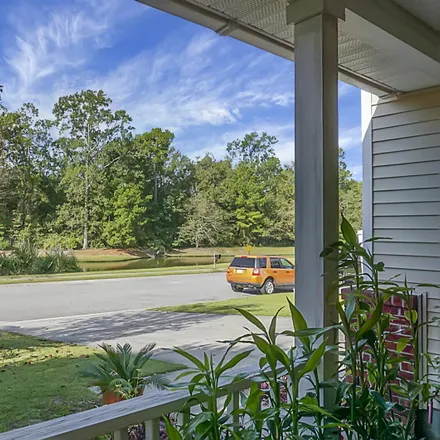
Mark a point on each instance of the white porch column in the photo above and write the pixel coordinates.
(316, 157)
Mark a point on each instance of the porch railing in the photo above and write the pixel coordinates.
(117, 418)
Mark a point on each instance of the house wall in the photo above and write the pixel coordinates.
(402, 191)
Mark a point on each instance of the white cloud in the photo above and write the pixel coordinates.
(182, 84)
(350, 138)
(345, 89)
(357, 171)
(45, 46)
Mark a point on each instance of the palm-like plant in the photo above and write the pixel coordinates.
(122, 372)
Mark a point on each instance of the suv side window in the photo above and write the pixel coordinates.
(275, 263)
(262, 262)
(286, 264)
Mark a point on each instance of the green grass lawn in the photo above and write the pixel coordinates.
(39, 379)
(109, 274)
(109, 255)
(263, 305)
(232, 251)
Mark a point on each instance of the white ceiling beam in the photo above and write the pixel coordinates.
(223, 25)
(396, 33)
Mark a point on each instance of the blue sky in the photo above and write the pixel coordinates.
(164, 71)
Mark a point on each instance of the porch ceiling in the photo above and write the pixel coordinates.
(385, 46)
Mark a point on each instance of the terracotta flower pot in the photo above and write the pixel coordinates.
(110, 396)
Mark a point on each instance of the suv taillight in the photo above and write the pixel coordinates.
(256, 272)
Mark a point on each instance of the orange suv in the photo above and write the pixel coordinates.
(260, 272)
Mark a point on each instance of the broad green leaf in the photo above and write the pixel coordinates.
(370, 322)
(172, 432)
(402, 343)
(399, 390)
(312, 331)
(199, 419)
(191, 358)
(262, 345)
(386, 406)
(350, 307)
(280, 355)
(235, 361)
(273, 326)
(343, 317)
(414, 389)
(253, 319)
(348, 232)
(313, 360)
(298, 321)
(411, 316)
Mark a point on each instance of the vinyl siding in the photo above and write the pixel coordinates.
(405, 150)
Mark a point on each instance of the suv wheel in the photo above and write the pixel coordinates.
(268, 287)
(237, 289)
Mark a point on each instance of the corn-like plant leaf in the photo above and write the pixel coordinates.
(313, 360)
(402, 343)
(350, 307)
(234, 361)
(370, 322)
(172, 432)
(253, 319)
(298, 321)
(191, 358)
(411, 315)
(348, 232)
(414, 389)
(273, 326)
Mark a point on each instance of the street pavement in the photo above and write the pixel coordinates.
(114, 311)
(19, 302)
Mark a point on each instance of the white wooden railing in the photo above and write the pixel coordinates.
(116, 418)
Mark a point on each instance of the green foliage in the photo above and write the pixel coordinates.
(99, 185)
(122, 371)
(350, 194)
(91, 138)
(361, 400)
(26, 259)
(204, 222)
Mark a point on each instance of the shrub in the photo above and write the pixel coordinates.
(122, 372)
(26, 259)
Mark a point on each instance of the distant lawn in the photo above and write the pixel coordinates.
(111, 274)
(263, 305)
(39, 379)
(100, 255)
(103, 255)
(287, 251)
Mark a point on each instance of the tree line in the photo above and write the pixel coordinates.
(85, 178)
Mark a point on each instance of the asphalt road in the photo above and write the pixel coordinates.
(19, 302)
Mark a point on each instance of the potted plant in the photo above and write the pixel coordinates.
(122, 374)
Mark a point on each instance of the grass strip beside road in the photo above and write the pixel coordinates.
(121, 255)
(285, 251)
(111, 274)
(39, 379)
(262, 305)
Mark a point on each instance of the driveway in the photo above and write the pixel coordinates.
(114, 311)
(194, 332)
(20, 302)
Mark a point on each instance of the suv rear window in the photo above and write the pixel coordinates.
(243, 262)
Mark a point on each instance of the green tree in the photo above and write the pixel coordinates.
(90, 134)
(204, 222)
(281, 225)
(26, 163)
(350, 194)
(254, 178)
(146, 193)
